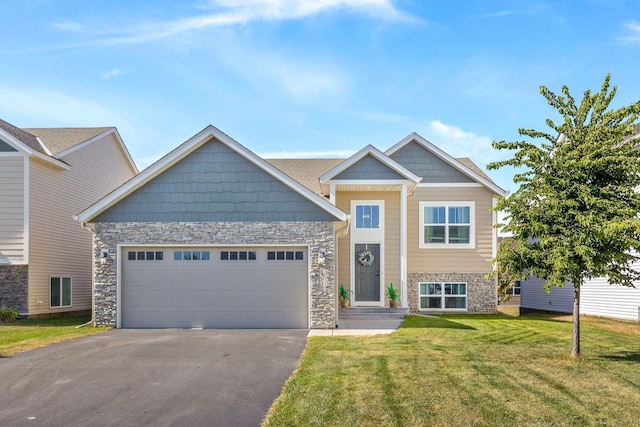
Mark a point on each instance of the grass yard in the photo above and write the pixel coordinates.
(466, 370)
(27, 334)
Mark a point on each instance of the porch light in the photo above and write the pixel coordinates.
(104, 256)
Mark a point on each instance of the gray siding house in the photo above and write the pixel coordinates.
(212, 235)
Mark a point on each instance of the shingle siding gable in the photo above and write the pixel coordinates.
(369, 168)
(214, 183)
(430, 167)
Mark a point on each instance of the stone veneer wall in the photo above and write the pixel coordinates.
(14, 287)
(481, 292)
(318, 235)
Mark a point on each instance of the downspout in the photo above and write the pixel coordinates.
(93, 275)
(335, 264)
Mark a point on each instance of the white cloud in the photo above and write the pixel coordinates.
(459, 143)
(111, 73)
(633, 33)
(228, 12)
(56, 109)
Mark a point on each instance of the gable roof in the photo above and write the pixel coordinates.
(306, 171)
(207, 134)
(464, 165)
(372, 151)
(60, 139)
(52, 144)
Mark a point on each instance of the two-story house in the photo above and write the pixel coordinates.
(46, 177)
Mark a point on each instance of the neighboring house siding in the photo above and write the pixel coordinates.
(317, 235)
(533, 296)
(470, 260)
(368, 168)
(214, 183)
(431, 168)
(597, 298)
(58, 245)
(391, 268)
(12, 208)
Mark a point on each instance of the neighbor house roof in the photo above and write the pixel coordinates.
(23, 136)
(58, 140)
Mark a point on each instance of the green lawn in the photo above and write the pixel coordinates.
(27, 334)
(469, 370)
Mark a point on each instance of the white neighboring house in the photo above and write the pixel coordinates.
(47, 176)
(597, 298)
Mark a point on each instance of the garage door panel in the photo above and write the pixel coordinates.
(215, 293)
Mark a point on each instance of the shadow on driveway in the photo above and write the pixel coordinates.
(144, 377)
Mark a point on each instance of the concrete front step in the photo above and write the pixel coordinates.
(372, 312)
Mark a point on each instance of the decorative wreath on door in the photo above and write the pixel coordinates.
(366, 258)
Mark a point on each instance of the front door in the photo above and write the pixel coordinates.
(367, 273)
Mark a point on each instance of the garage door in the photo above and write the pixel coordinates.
(206, 287)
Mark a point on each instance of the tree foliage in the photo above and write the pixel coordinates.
(575, 214)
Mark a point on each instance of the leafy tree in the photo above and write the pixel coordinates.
(575, 214)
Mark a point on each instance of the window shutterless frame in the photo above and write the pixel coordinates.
(447, 225)
(60, 292)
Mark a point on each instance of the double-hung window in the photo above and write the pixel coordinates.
(447, 224)
(60, 291)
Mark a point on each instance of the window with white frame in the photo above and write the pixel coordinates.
(446, 224)
(60, 291)
(367, 216)
(443, 296)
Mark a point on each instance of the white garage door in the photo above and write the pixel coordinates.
(213, 287)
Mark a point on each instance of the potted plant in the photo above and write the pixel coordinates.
(393, 295)
(344, 296)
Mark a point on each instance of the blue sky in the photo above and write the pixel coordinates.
(311, 78)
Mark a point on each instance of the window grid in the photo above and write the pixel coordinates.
(145, 255)
(285, 256)
(191, 255)
(448, 224)
(443, 296)
(238, 256)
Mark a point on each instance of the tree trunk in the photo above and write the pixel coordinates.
(575, 345)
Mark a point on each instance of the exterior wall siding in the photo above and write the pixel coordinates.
(214, 183)
(534, 297)
(431, 168)
(12, 224)
(58, 245)
(14, 293)
(317, 235)
(369, 168)
(391, 268)
(481, 292)
(445, 260)
(597, 298)
(4, 147)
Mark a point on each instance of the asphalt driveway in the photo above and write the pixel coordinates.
(150, 377)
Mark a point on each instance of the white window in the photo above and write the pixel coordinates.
(447, 224)
(367, 216)
(443, 296)
(60, 291)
